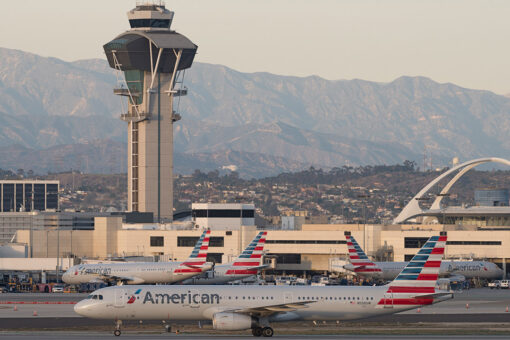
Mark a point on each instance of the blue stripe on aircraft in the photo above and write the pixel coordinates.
(425, 251)
(411, 271)
(406, 277)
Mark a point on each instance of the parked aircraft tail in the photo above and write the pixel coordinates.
(360, 263)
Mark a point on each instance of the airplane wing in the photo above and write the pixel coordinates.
(116, 278)
(263, 266)
(273, 309)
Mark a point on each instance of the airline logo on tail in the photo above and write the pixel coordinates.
(249, 261)
(415, 285)
(359, 260)
(198, 256)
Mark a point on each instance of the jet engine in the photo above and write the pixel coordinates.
(232, 321)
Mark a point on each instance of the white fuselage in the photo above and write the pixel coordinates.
(201, 303)
(216, 276)
(131, 273)
(467, 269)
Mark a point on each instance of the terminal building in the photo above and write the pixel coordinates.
(310, 249)
(28, 195)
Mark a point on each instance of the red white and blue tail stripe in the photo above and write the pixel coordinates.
(416, 283)
(198, 256)
(248, 262)
(361, 264)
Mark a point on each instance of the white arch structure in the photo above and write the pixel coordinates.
(412, 209)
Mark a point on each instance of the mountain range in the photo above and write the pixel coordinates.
(58, 115)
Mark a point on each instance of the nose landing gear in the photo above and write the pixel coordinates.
(117, 332)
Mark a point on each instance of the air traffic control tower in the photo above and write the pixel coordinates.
(153, 59)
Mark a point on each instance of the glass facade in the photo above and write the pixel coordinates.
(19, 196)
(216, 241)
(8, 197)
(223, 213)
(154, 23)
(306, 241)
(492, 198)
(287, 258)
(187, 241)
(157, 241)
(415, 242)
(479, 220)
(214, 257)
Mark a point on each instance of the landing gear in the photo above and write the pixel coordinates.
(118, 323)
(168, 328)
(257, 331)
(267, 332)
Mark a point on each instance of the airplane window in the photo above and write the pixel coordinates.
(248, 297)
(349, 298)
(244, 297)
(230, 297)
(358, 297)
(372, 298)
(263, 298)
(272, 298)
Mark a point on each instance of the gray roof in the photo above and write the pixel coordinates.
(163, 39)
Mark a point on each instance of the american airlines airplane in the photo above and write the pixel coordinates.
(246, 265)
(144, 272)
(256, 307)
(453, 270)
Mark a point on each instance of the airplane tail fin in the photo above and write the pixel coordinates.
(198, 256)
(415, 285)
(361, 264)
(249, 260)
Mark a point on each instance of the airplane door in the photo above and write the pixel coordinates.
(388, 300)
(119, 298)
(287, 297)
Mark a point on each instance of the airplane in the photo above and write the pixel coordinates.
(246, 265)
(256, 307)
(143, 272)
(453, 270)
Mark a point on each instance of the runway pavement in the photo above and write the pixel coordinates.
(87, 336)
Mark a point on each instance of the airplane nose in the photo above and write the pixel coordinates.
(83, 308)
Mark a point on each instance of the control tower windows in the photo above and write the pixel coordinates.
(154, 23)
(134, 80)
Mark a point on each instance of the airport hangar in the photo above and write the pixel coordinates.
(308, 248)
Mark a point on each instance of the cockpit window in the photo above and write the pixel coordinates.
(100, 297)
(94, 297)
(89, 297)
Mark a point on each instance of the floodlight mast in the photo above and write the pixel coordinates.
(152, 59)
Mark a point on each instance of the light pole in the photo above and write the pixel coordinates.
(364, 196)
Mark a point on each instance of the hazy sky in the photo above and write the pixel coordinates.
(466, 42)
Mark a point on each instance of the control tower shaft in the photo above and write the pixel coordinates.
(152, 58)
